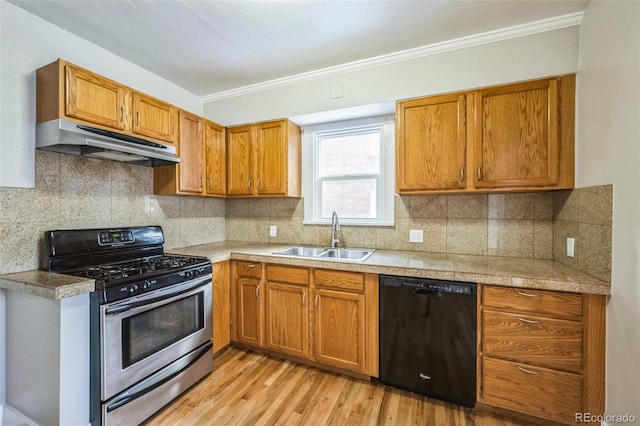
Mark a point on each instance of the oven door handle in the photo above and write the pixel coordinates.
(155, 298)
(139, 390)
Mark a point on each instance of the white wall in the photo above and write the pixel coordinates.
(27, 43)
(608, 151)
(539, 55)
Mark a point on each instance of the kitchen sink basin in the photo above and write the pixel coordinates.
(302, 251)
(356, 255)
(347, 254)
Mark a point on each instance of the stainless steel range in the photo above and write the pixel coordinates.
(150, 317)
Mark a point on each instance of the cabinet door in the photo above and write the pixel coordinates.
(271, 158)
(95, 99)
(215, 159)
(239, 161)
(339, 329)
(221, 304)
(431, 144)
(516, 136)
(249, 311)
(287, 319)
(153, 118)
(190, 149)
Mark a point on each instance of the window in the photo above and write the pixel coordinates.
(349, 168)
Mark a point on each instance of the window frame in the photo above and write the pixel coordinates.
(311, 184)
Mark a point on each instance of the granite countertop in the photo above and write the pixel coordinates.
(46, 284)
(510, 272)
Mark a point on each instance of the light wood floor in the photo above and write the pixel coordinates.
(248, 388)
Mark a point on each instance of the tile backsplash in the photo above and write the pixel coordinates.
(515, 225)
(79, 192)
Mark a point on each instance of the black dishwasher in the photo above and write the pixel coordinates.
(428, 337)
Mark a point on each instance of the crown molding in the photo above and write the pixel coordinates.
(550, 24)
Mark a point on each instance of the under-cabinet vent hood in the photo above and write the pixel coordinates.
(66, 136)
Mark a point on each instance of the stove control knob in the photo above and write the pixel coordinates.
(188, 274)
(196, 272)
(133, 289)
(146, 285)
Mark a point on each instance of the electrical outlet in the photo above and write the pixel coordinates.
(415, 235)
(571, 247)
(273, 231)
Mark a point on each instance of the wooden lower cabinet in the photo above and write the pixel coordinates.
(287, 319)
(541, 353)
(246, 303)
(339, 329)
(221, 304)
(329, 317)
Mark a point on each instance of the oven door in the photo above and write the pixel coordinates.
(143, 334)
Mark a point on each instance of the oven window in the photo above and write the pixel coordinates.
(151, 331)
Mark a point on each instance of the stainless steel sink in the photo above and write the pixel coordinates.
(356, 255)
(347, 254)
(302, 251)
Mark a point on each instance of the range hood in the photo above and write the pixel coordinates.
(68, 137)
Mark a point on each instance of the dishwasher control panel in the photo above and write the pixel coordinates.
(426, 284)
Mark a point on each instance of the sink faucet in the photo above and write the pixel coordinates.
(335, 226)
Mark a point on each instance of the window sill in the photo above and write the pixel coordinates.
(346, 222)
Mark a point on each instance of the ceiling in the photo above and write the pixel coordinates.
(208, 47)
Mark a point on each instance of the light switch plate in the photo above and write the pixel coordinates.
(273, 231)
(571, 247)
(415, 235)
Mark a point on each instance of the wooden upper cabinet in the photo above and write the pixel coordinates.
(190, 150)
(154, 118)
(264, 159)
(271, 158)
(215, 159)
(239, 161)
(202, 152)
(431, 134)
(516, 136)
(95, 99)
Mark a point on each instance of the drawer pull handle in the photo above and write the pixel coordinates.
(461, 174)
(257, 292)
(424, 376)
(250, 266)
(528, 321)
(528, 371)
(316, 301)
(304, 299)
(521, 293)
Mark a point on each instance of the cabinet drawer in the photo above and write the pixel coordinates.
(538, 340)
(353, 281)
(288, 274)
(249, 269)
(537, 391)
(536, 302)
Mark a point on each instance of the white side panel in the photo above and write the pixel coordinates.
(608, 151)
(27, 43)
(539, 55)
(33, 356)
(74, 360)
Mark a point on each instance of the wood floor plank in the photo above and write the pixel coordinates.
(247, 388)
